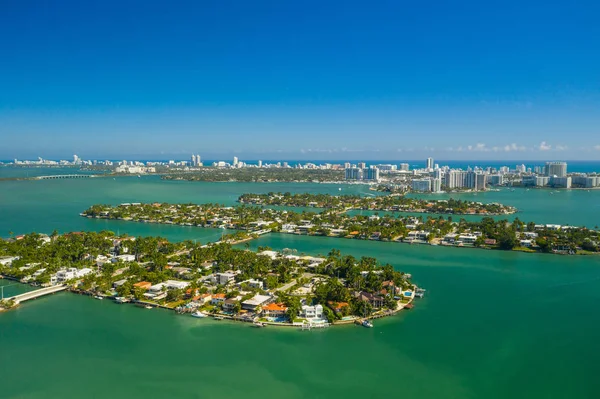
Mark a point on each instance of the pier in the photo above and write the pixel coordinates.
(37, 293)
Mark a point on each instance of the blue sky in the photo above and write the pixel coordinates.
(300, 80)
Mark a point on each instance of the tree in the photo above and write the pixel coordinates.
(507, 240)
(174, 295)
(125, 289)
(138, 293)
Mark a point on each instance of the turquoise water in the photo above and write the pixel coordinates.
(492, 324)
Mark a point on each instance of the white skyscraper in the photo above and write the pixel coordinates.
(558, 169)
(260, 164)
(76, 159)
(429, 163)
(235, 161)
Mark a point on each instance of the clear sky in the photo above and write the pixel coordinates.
(300, 79)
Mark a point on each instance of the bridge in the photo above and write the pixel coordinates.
(37, 293)
(78, 176)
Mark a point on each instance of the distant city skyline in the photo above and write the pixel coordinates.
(280, 80)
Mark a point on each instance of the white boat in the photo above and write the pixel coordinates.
(367, 323)
(198, 314)
(219, 318)
(258, 324)
(148, 307)
(98, 297)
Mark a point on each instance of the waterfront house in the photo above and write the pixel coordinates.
(467, 238)
(229, 304)
(217, 299)
(490, 241)
(65, 275)
(256, 301)
(338, 307)
(143, 285)
(274, 310)
(312, 312)
(525, 243)
(119, 283)
(377, 301)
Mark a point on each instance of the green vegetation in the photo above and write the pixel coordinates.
(182, 272)
(378, 203)
(251, 221)
(212, 174)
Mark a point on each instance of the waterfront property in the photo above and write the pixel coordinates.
(247, 220)
(234, 286)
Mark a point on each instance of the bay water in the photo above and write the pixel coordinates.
(492, 324)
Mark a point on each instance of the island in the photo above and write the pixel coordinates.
(215, 174)
(265, 287)
(249, 222)
(392, 203)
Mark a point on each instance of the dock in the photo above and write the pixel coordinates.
(37, 293)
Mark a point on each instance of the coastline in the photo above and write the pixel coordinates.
(396, 240)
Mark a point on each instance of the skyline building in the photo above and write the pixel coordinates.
(429, 164)
(558, 169)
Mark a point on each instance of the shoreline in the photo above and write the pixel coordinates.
(237, 319)
(516, 249)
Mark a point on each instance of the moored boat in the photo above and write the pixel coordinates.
(367, 323)
(198, 314)
(258, 324)
(98, 297)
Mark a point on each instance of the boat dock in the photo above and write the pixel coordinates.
(37, 293)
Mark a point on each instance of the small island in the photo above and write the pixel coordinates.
(264, 287)
(392, 203)
(250, 222)
(262, 175)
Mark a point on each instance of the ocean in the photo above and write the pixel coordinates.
(492, 324)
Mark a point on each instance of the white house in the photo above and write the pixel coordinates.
(257, 300)
(7, 260)
(65, 275)
(83, 272)
(124, 258)
(224, 278)
(255, 284)
(312, 312)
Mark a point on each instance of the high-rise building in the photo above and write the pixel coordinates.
(362, 165)
(558, 169)
(347, 165)
(495, 180)
(386, 167)
(429, 163)
(436, 185)
(235, 161)
(480, 181)
(76, 159)
(371, 174)
(422, 185)
(194, 162)
(354, 174)
(404, 167)
(259, 163)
